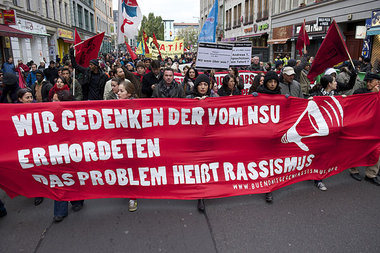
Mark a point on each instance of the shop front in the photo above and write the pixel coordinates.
(36, 48)
(257, 34)
(65, 38)
(280, 41)
(316, 35)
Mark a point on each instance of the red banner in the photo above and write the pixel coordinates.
(88, 50)
(183, 148)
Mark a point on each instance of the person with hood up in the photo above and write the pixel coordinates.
(270, 86)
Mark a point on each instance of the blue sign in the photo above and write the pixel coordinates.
(366, 51)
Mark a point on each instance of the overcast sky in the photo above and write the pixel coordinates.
(178, 10)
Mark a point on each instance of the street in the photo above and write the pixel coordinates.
(301, 218)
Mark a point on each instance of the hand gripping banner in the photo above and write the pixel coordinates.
(183, 148)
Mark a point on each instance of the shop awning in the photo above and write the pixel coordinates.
(68, 41)
(373, 31)
(251, 35)
(11, 32)
(278, 41)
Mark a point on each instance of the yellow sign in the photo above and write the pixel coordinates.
(167, 48)
(62, 33)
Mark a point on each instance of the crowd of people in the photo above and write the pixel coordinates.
(112, 77)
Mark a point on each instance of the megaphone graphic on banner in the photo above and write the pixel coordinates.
(315, 123)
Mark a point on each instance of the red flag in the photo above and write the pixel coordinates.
(332, 51)
(21, 80)
(155, 42)
(303, 39)
(145, 40)
(77, 38)
(130, 51)
(88, 50)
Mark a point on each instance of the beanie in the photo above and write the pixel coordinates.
(95, 62)
(202, 78)
(271, 75)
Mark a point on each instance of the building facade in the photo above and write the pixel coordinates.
(273, 25)
(103, 22)
(47, 21)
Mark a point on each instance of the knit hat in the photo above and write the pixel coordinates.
(371, 76)
(202, 78)
(95, 62)
(292, 63)
(271, 75)
(140, 64)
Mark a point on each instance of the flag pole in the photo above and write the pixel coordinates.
(344, 43)
(304, 34)
(74, 75)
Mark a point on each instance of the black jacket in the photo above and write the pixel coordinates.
(147, 82)
(93, 84)
(51, 74)
(224, 91)
(176, 91)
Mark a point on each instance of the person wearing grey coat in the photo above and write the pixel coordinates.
(290, 86)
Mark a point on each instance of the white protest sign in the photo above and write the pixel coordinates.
(241, 54)
(214, 56)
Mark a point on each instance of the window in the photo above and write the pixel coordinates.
(246, 12)
(80, 16)
(74, 15)
(251, 11)
(283, 6)
(60, 11)
(47, 8)
(266, 9)
(67, 14)
(15, 2)
(259, 10)
(239, 15)
(235, 17)
(28, 5)
(92, 21)
(86, 21)
(53, 3)
(295, 4)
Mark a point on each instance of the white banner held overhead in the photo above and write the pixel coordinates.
(214, 56)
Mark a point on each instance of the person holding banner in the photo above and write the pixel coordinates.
(127, 91)
(25, 96)
(373, 85)
(233, 71)
(228, 87)
(189, 80)
(202, 88)
(270, 86)
(289, 86)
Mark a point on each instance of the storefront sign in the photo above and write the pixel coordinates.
(375, 20)
(62, 33)
(360, 32)
(284, 32)
(366, 50)
(29, 27)
(247, 30)
(263, 27)
(214, 56)
(324, 21)
(311, 28)
(9, 17)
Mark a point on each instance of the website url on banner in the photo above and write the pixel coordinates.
(267, 183)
